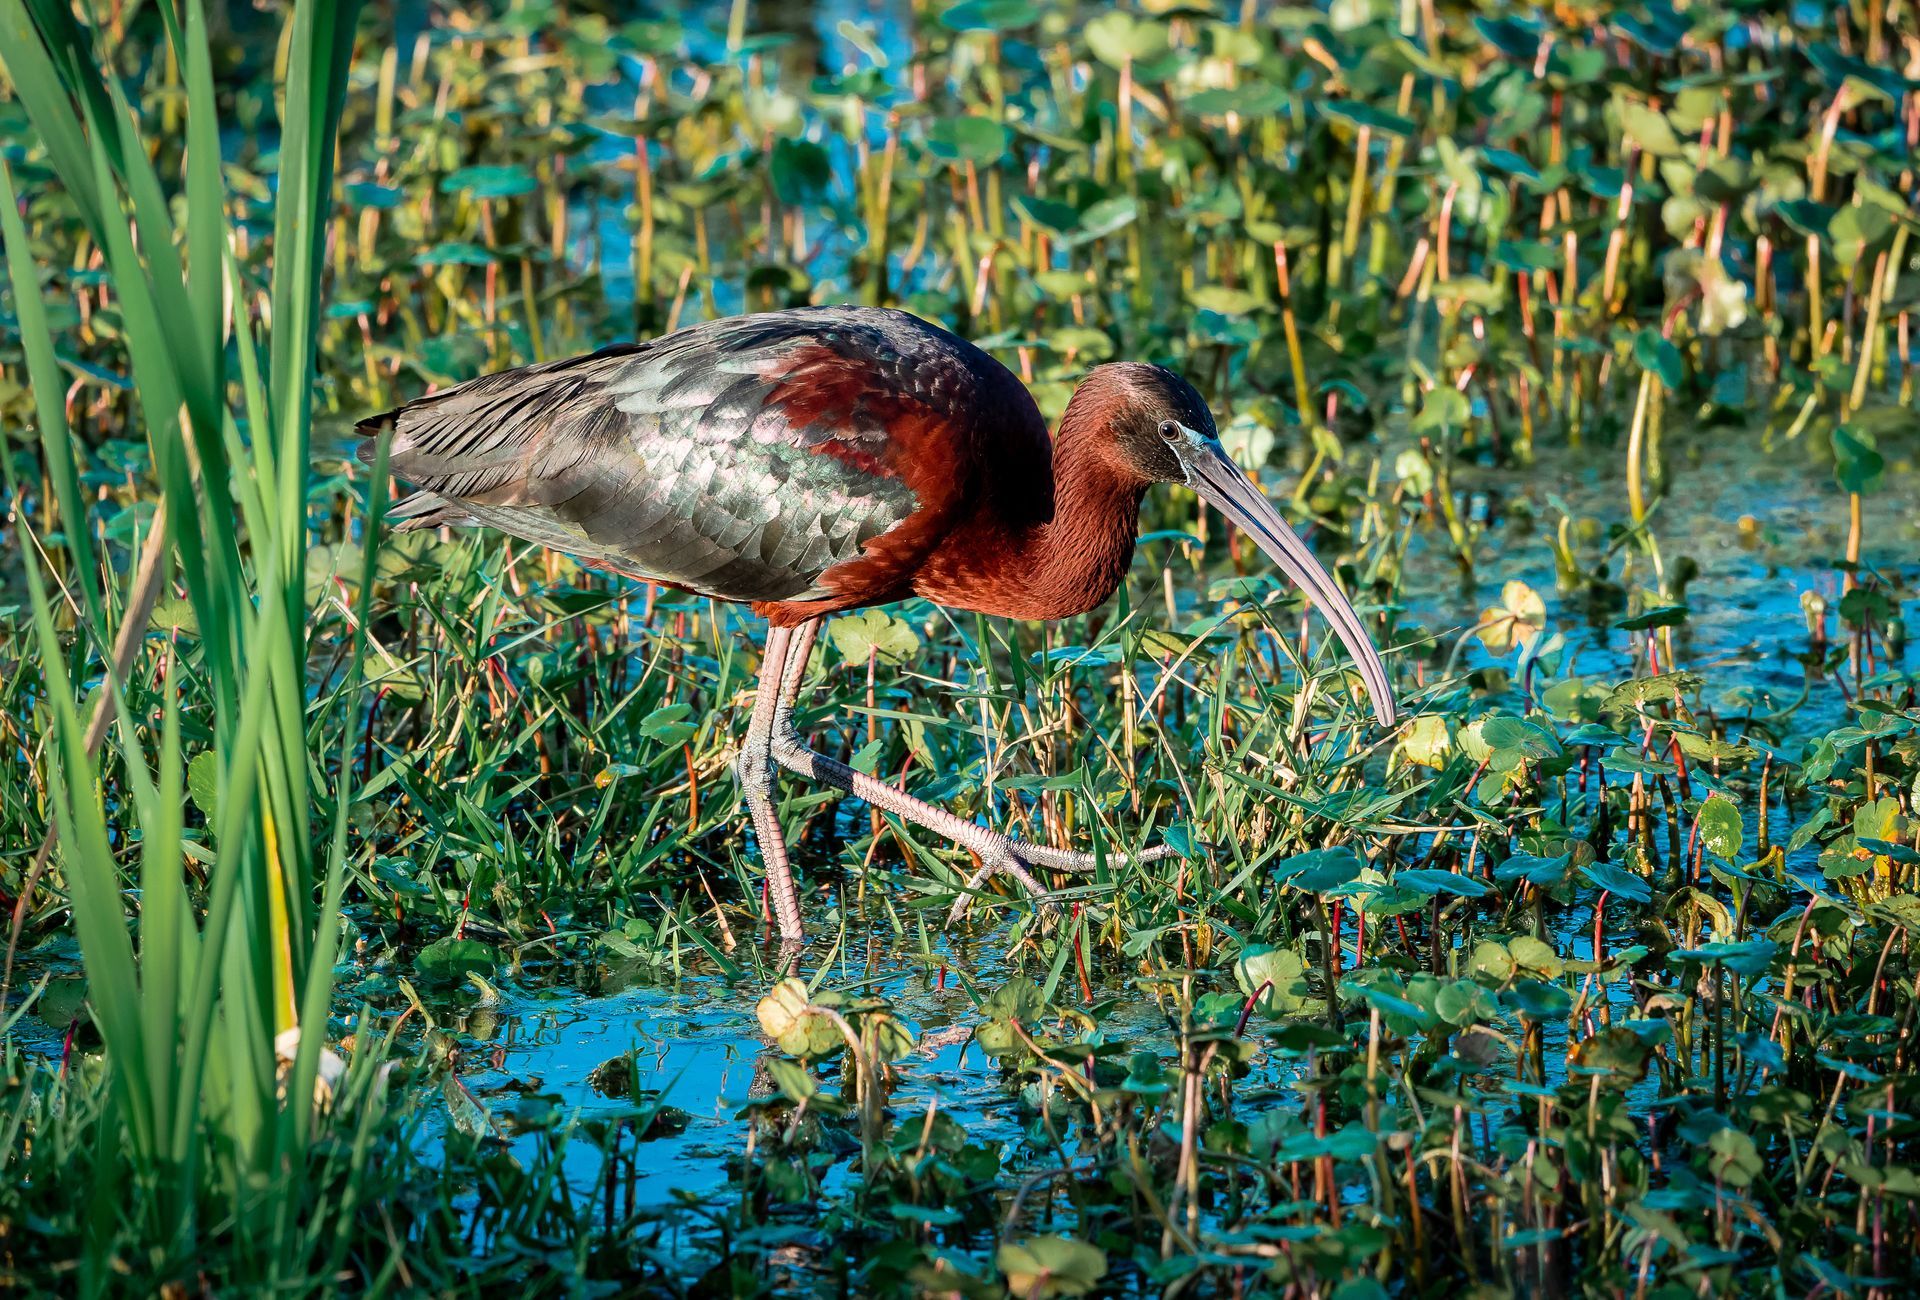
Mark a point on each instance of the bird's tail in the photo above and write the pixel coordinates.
(420, 509)
(426, 510)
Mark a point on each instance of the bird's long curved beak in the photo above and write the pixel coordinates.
(1228, 489)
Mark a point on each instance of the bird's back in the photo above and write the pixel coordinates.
(810, 457)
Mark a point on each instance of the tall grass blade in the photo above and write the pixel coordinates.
(190, 1013)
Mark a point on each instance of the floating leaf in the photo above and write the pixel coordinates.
(1529, 256)
(1426, 741)
(1506, 160)
(1857, 463)
(801, 172)
(1619, 883)
(1351, 1143)
(490, 182)
(1538, 1000)
(1281, 968)
(787, 1016)
(1517, 38)
(1388, 1003)
(1660, 356)
(1733, 1158)
(990, 16)
(203, 784)
(1660, 36)
(1879, 819)
(668, 725)
(1727, 180)
(1229, 302)
(1658, 616)
(1253, 100)
(62, 1002)
(1441, 409)
(873, 633)
(1048, 214)
(1545, 873)
(365, 194)
(1463, 1002)
(1366, 115)
(1318, 870)
(1748, 958)
(1519, 738)
(1118, 38)
(1535, 954)
(1248, 441)
(174, 614)
(1720, 829)
(1083, 342)
(1491, 959)
(458, 254)
(975, 140)
(1618, 1053)
(451, 960)
(1856, 228)
(1520, 616)
(1041, 1267)
(1806, 216)
(1649, 129)
(1105, 217)
(1430, 882)
(1146, 1077)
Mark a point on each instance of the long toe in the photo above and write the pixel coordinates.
(1074, 860)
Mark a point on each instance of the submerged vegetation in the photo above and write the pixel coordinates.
(1581, 339)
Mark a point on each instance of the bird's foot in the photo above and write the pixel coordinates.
(754, 774)
(1001, 856)
(998, 854)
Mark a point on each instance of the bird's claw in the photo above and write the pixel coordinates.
(998, 859)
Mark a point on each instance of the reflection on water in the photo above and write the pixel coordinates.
(1745, 624)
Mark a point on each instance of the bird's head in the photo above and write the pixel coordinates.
(1165, 434)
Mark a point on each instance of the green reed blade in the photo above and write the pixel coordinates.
(166, 279)
(160, 402)
(56, 439)
(206, 195)
(49, 108)
(98, 918)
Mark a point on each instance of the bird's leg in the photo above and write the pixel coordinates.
(999, 854)
(754, 770)
(799, 650)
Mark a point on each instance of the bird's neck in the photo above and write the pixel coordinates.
(1061, 556)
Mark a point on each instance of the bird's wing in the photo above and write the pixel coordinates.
(743, 458)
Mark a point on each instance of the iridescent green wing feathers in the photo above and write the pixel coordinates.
(742, 458)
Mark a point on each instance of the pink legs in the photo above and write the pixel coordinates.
(771, 739)
(753, 769)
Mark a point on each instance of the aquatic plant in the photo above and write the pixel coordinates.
(1581, 341)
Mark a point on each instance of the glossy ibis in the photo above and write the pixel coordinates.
(823, 459)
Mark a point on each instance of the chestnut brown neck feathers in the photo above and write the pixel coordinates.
(1064, 561)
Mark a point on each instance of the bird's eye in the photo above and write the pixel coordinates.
(1170, 430)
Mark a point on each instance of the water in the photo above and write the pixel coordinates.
(1760, 517)
(696, 1040)
(697, 1043)
(1745, 629)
